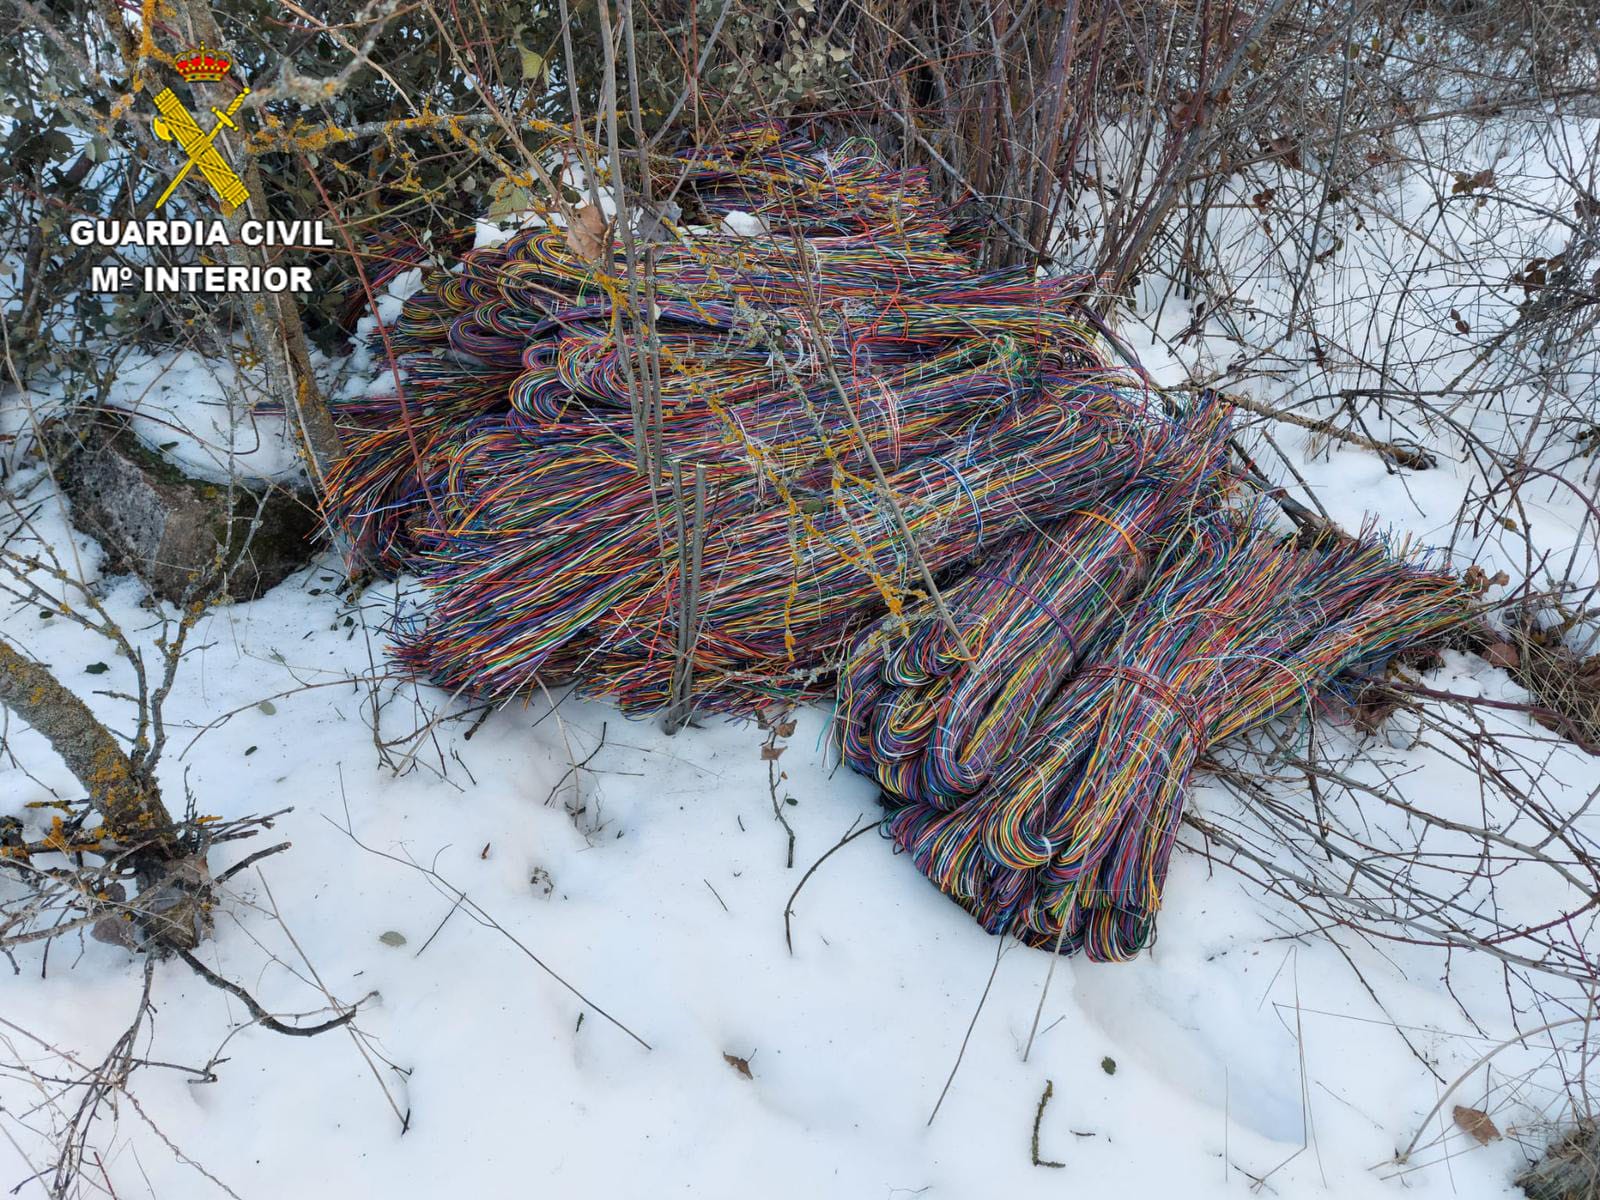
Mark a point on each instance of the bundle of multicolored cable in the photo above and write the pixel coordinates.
(1038, 590)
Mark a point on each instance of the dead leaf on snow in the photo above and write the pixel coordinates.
(741, 1065)
(1477, 1123)
(1502, 654)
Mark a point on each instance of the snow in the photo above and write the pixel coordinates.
(1240, 1054)
(1413, 255)
(1234, 1046)
(1216, 1036)
(199, 412)
(742, 224)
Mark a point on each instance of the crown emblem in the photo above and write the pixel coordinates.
(202, 66)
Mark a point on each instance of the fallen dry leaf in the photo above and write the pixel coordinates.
(1477, 1123)
(771, 753)
(742, 1065)
(1372, 707)
(1479, 581)
(1502, 654)
(587, 233)
(1466, 184)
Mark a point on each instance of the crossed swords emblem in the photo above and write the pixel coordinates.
(176, 125)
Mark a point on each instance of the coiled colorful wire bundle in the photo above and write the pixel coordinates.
(1040, 599)
(1068, 845)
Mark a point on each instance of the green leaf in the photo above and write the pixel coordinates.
(509, 200)
(268, 707)
(1108, 1065)
(97, 668)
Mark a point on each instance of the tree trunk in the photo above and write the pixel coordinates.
(171, 906)
(272, 320)
(131, 807)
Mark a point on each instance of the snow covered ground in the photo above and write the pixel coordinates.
(1231, 1053)
(1242, 1055)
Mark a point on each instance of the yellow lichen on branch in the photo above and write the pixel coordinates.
(124, 799)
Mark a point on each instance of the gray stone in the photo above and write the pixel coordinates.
(186, 538)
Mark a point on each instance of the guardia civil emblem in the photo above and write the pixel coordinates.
(175, 124)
